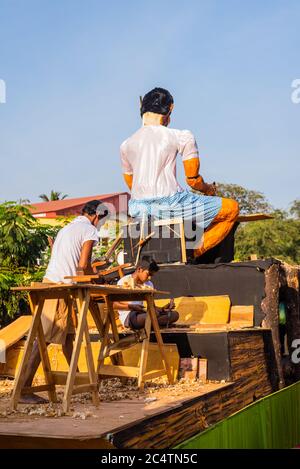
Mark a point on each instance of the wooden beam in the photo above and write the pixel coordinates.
(270, 307)
(119, 370)
(254, 217)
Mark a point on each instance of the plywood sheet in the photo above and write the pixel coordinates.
(201, 309)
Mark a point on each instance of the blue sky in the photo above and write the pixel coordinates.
(74, 71)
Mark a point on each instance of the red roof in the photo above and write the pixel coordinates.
(61, 205)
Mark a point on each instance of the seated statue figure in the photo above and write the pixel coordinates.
(148, 159)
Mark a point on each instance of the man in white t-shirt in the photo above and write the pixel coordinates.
(132, 314)
(70, 256)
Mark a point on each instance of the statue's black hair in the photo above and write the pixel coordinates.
(158, 101)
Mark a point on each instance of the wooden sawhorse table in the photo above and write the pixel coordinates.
(85, 296)
(115, 346)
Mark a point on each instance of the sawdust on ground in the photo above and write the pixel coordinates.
(155, 392)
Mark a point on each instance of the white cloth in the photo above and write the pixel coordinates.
(150, 155)
(67, 248)
(124, 313)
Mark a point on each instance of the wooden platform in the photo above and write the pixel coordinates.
(225, 348)
(170, 419)
(113, 418)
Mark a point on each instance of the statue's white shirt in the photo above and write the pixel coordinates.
(150, 156)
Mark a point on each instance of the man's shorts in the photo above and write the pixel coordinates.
(56, 321)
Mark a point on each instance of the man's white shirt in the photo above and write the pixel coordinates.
(124, 313)
(67, 248)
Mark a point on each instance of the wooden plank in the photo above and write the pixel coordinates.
(21, 374)
(145, 349)
(114, 246)
(111, 315)
(90, 366)
(60, 377)
(119, 370)
(81, 388)
(99, 263)
(289, 292)
(111, 352)
(58, 289)
(95, 315)
(104, 340)
(33, 299)
(242, 314)
(254, 217)
(270, 307)
(89, 355)
(46, 364)
(154, 321)
(32, 389)
(154, 374)
(183, 246)
(113, 269)
(83, 309)
(82, 278)
(15, 331)
(202, 374)
(209, 327)
(166, 222)
(120, 346)
(45, 287)
(141, 238)
(201, 309)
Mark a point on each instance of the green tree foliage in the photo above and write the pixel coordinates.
(278, 238)
(53, 196)
(249, 201)
(295, 208)
(14, 304)
(23, 245)
(22, 238)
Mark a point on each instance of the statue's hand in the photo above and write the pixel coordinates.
(211, 189)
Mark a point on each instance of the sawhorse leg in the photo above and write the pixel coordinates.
(44, 355)
(82, 301)
(151, 318)
(36, 331)
(145, 349)
(109, 321)
(111, 314)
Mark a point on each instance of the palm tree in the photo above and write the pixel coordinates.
(53, 196)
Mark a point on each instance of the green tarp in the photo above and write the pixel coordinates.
(271, 422)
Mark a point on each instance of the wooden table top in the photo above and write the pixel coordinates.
(94, 289)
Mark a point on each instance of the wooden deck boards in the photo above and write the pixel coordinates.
(110, 417)
(167, 421)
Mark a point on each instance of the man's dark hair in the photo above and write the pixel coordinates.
(146, 263)
(158, 101)
(94, 207)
